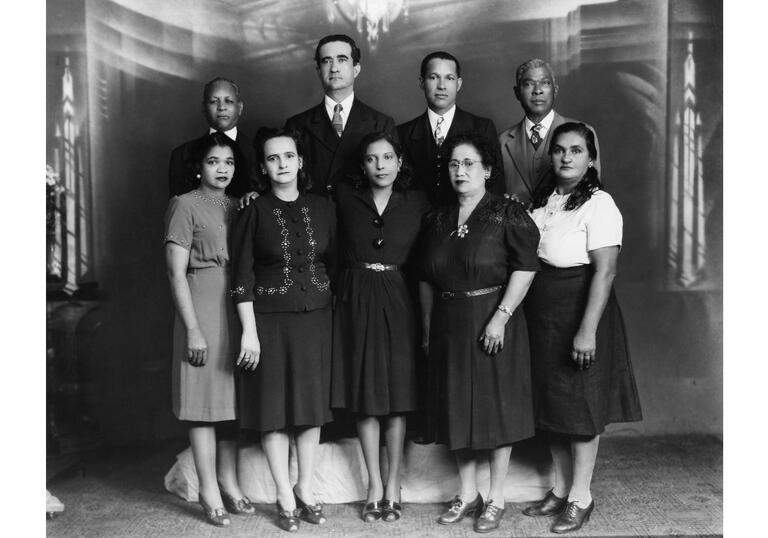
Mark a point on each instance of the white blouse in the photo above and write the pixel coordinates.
(567, 236)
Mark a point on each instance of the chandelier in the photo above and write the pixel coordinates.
(371, 17)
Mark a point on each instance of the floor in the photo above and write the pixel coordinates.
(649, 486)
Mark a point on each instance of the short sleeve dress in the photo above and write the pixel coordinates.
(478, 401)
(200, 224)
(568, 400)
(376, 328)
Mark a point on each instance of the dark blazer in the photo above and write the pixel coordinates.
(420, 150)
(523, 177)
(331, 158)
(181, 175)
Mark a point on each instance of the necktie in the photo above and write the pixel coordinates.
(337, 122)
(535, 136)
(439, 138)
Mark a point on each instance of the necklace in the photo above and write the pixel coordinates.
(222, 202)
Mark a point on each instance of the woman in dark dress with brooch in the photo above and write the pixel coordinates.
(479, 258)
(375, 332)
(283, 243)
(582, 374)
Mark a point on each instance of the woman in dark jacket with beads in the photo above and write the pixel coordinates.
(283, 243)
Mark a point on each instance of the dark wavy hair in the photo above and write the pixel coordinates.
(403, 179)
(265, 134)
(483, 146)
(338, 37)
(586, 185)
(200, 150)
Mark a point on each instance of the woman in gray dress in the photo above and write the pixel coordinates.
(197, 260)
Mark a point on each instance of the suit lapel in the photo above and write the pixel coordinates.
(320, 127)
(513, 146)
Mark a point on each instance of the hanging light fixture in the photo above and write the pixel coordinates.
(371, 17)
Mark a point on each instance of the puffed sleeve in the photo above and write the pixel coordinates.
(241, 253)
(179, 223)
(604, 223)
(521, 237)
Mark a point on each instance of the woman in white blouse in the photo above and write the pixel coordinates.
(582, 375)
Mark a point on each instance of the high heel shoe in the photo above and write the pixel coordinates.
(390, 510)
(241, 506)
(215, 516)
(311, 513)
(372, 511)
(286, 519)
(459, 509)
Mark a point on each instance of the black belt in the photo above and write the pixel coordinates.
(378, 267)
(471, 293)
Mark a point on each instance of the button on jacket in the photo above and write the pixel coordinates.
(281, 252)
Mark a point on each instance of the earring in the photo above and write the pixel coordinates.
(590, 164)
(198, 176)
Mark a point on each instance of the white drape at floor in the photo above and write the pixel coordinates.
(429, 474)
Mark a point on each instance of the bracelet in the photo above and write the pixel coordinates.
(506, 310)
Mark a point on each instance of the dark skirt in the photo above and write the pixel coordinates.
(477, 401)
(568, 400)
(291, 384)
(375, 344)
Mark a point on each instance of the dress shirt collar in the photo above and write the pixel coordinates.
(232, 133)
(546, 123)
(447, 120)
(346, 106)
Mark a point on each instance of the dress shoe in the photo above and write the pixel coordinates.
(572, 518)
(550, 505)
(372, 512)
(390, 510)
(286, 519)
(459, 509)
(240, 507)
(490, 518)
(215, 516)
(311, 513)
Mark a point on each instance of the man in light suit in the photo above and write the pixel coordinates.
(222, 108)
(422, 137)
(525, 145)
(331, 131)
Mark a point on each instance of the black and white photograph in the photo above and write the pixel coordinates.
(392, 268)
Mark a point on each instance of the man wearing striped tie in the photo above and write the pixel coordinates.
(332, 130)
(525, 145)
(422, 137)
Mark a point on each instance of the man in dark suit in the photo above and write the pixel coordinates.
(422, 137)
(222, 108)
(525, 145)
(331, 131)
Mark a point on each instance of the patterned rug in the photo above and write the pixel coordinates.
(643, 486)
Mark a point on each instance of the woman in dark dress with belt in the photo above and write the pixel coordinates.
(479, 258)
(375, 332)
(282, 245)
(582, 374)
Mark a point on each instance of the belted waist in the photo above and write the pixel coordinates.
(470, 293)
(378, 267)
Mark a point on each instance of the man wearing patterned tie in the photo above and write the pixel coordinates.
(525, 145)
(440, 80)
(331, 131)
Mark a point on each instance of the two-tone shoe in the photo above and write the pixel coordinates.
(287, 519)
(390, 510)
(311, 513)
(459, 509)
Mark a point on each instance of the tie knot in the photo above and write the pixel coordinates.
(536, 128)
(338, 107)
(440, 120)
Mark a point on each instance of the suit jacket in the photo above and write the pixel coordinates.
(328, 157)
(420, 151)
(181, 173)
(526, 169)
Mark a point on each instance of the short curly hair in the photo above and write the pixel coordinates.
(470, 138)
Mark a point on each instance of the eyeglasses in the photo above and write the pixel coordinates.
(453, 164)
